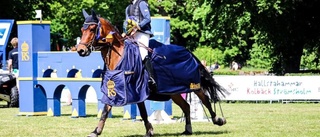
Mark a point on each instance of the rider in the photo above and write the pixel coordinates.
(138, 15)
(13, 65)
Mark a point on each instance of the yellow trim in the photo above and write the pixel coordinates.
(126, 115)
(50, 112)
(69, 79)
(75, 113)
(32, 113)
(33, 22)
(24, 78)
(161, 17)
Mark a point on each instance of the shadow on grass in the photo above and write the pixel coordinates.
(179, 134)
(4, 106)
(93, 116)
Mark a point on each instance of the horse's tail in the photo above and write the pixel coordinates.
(208, 84)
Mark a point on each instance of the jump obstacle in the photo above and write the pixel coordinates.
(40, 94)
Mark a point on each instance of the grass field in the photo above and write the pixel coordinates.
(243, 120)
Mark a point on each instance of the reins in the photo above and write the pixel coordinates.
(140, 44)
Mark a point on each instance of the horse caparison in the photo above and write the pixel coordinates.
(112, 49)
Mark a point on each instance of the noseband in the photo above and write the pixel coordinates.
(96, 36)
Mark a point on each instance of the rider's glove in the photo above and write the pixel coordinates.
(131, 26)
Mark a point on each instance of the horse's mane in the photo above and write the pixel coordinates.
(113, 28)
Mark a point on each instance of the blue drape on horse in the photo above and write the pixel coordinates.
(128, 83)
(175, 69)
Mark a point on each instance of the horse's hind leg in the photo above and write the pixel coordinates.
(183, 104)
(206, 102)
(98, 130)
(144, 115)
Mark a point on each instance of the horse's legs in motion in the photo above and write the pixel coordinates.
(98, 130)
(206, 102)
(186, 110)
(144, 115)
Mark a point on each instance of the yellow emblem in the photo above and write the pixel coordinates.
(195, 86)
(110, 86)
(25, 51)
(109, 36)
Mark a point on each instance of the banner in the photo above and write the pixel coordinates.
(271, 87)
(5, 30)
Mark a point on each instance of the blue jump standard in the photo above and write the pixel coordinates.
(40, 93)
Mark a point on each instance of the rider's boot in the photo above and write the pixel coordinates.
(149, 68)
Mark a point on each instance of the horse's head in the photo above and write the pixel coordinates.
(96, 34)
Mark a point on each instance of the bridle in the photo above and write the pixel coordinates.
(96, 36)
(95, 45)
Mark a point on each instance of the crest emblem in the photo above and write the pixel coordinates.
(110, 86)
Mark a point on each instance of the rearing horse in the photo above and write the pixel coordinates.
(99, 34)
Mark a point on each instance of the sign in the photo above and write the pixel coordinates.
(38, 14)
(160, 27)
(5, 30)
(270, 87)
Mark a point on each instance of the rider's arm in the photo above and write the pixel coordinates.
(144, 9)
(127, 16)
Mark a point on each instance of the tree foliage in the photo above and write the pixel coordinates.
(68, 18)
(274, 34)
(21, 10)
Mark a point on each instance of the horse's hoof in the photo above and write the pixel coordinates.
(149, 134)
(149, 129)
(188, 130)
(92, 135)
(186, 133)
(220, 121)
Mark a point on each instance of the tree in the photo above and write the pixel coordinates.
(256, 32)
(287, 28)
(68, 18)
(291, 26)
(183, 28)
(65, 15)
(20, 10)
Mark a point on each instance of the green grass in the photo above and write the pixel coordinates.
(243, 120)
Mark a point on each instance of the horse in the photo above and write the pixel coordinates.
(99, 34)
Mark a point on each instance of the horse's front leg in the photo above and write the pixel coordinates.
(98, 130)
(205, 100)
(144, 115)
(183, 104)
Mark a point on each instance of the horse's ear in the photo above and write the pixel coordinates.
(85, 14)
(93, 14)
